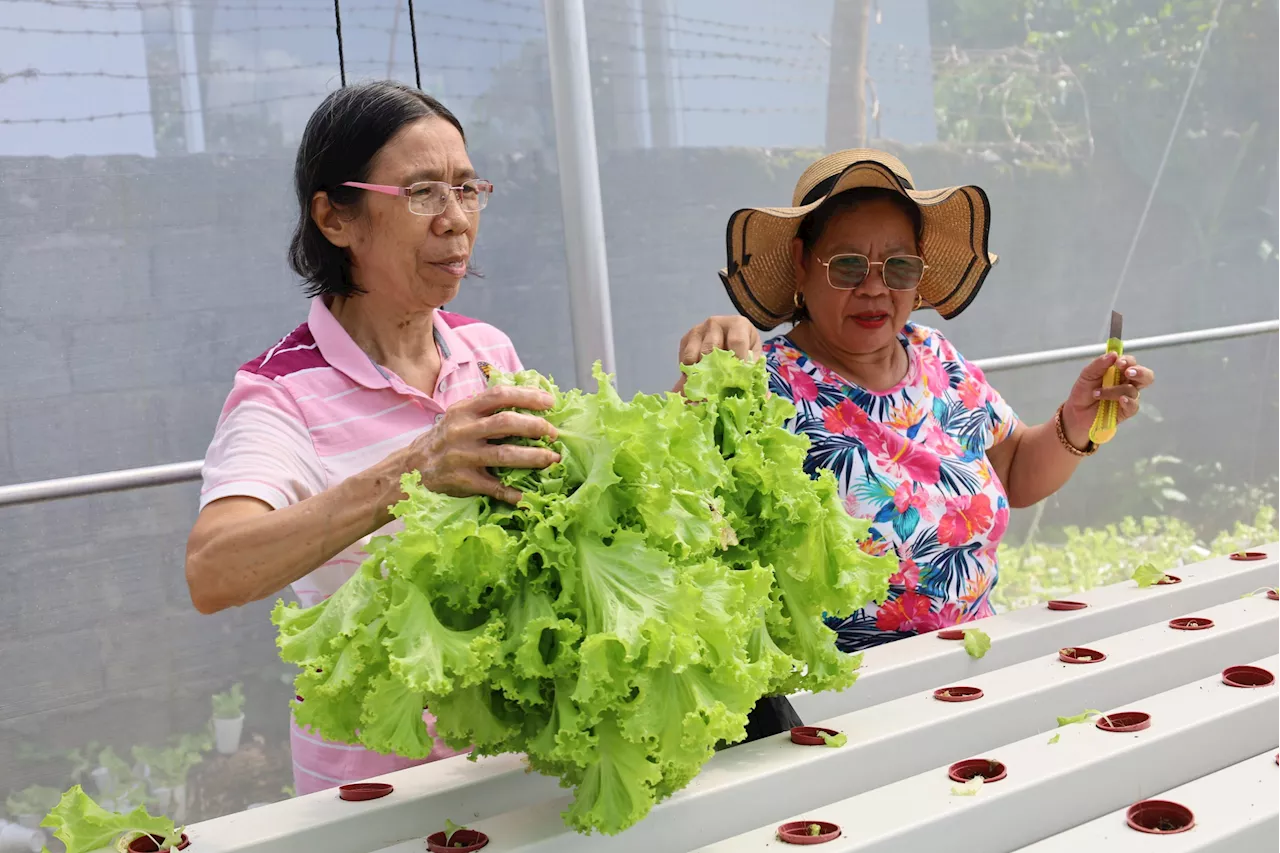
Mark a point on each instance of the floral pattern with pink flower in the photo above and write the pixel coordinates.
(801, 385)
(967, 516)
(907, 576)
(907, 612)
(912, 460)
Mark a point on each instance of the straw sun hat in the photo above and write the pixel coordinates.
(760, 277)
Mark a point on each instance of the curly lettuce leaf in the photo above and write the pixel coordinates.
(1078, 718)
(313, 633)
(836, 740)
(334, 717)
(1147, 575)
(391, 719)
(481, 717)
(83, 825)
(618, 788)
(429, 657)
(976, 643)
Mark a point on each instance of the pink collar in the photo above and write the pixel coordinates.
(344, 354)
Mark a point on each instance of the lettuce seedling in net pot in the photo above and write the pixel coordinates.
(83, 826)
(228, 719)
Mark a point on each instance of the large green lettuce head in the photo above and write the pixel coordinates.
(670, 570)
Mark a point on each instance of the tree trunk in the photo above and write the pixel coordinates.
(847, 85)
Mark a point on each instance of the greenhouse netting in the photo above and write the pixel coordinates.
(1128, 148)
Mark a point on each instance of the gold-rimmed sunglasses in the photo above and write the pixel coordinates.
(900, 272)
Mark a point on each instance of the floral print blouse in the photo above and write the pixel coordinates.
(912, 460)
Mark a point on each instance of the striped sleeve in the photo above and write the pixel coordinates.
(261, 448)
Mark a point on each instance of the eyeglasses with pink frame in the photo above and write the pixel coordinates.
(431, 198)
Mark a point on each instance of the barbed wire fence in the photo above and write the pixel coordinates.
(700, 50)
(213, 71)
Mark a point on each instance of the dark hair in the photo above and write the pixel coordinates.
(341, 139)
(812, 226)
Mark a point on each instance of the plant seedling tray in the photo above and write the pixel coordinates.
(1237, 809)
(772, 781)
(1208, 725)
(922, 663)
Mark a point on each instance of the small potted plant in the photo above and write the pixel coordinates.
(79, 762)
(228, 719)
(116, 782)
(84, 826)
(30, 804)
(168, 770)
(104, 779)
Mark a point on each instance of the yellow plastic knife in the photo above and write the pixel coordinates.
(1104, 422)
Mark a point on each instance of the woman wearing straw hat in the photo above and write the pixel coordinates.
(921, 444)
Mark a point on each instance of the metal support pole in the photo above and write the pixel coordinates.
(581, 207)
(1053, 356)
(189, 79)
(97, 484)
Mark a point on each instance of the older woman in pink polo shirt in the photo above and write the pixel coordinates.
(317, 431)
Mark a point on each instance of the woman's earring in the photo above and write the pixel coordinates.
(797, 299)
(919, 303)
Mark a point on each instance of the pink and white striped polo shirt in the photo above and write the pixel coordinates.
(310, 412)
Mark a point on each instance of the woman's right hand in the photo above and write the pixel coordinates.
(455, 456)
(240, 550)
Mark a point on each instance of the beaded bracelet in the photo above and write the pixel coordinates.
(1062, 437)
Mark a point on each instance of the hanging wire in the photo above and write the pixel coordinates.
(337, 26)
(1164, 158)
(413, 37)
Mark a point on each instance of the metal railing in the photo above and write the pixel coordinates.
(184, 472)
